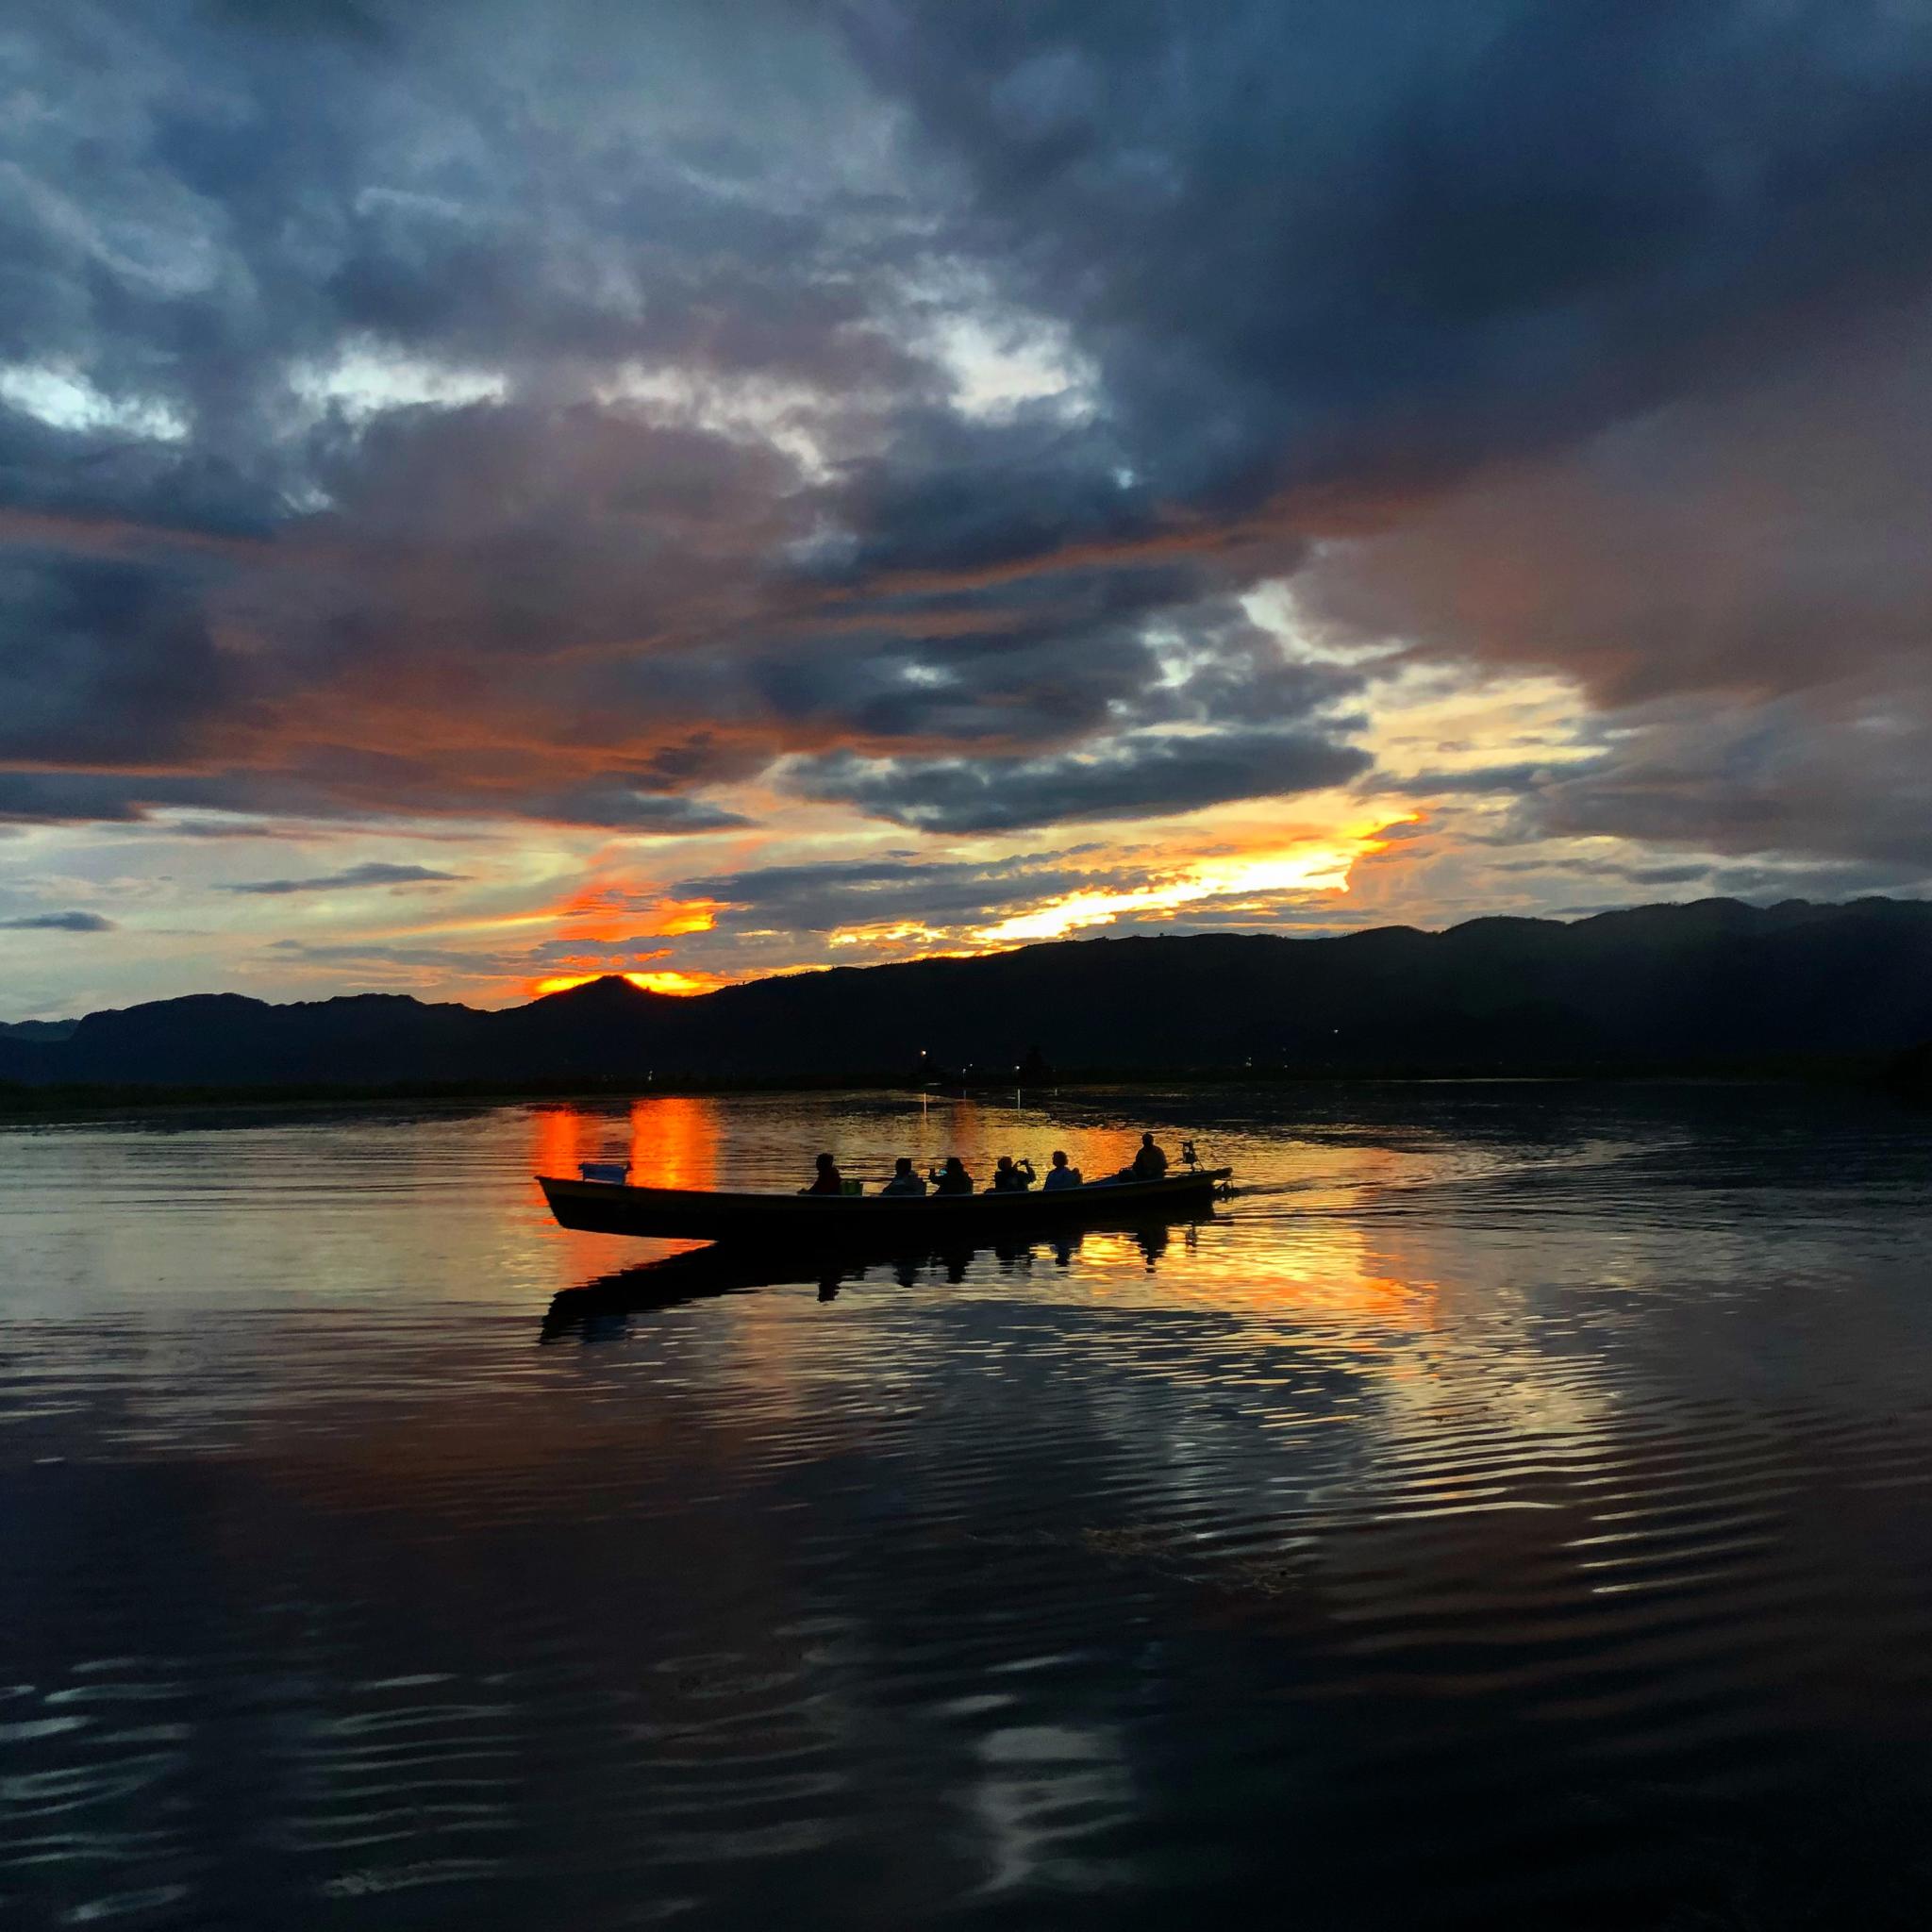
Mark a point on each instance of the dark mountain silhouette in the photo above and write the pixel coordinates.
(37, 1029)
(1708, 984)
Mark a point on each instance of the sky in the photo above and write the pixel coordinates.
(495, 494)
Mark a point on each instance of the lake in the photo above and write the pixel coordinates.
(1513, 1508)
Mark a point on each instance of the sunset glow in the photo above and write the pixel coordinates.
(1202, 736)
(682, 985)
(1313, 869)
(437, 568)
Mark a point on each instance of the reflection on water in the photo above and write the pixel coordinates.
(595, 1309)
(673, 1139)
(1511, 1508)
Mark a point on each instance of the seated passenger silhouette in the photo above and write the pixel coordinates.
(951, 1179)
(1150, 1162)
(1010, 1176)
(828, 1180)
(1059, 1175)
(904, 1180)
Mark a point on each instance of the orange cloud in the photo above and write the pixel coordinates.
(1306, 866)
(611, 915)
(686, 916)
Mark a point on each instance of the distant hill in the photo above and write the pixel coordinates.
(1712, 983)
(37, 1029)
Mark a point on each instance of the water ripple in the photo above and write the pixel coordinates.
(1518, 1496)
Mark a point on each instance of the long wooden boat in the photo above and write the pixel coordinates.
(861, 1221)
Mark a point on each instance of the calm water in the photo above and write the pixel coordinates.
(1516, 1508)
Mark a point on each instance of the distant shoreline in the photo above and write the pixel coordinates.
(1900, 1075)
(1713, 989)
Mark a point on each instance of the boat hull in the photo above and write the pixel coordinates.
(849, 1220)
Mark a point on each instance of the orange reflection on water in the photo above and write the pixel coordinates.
(560, 1134)
(1287, 1267)
(673, 1142)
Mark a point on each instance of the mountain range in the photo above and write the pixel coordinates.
(1708, 984)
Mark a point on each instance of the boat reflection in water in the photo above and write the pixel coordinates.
(601, 1306)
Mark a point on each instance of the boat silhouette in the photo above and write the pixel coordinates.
(854, 1220)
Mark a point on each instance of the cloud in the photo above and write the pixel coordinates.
(106, 662)
(893, 889)
(57, 922)
(1305, 248)
(1520, 776)
(621, 805)
(374, 873)
(673, 473)
(240, 828)
(1611, 869)
(1137, 776)
(403, 415)
(1751, 541)
(1842, 775)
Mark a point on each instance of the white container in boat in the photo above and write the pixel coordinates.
(618, 1171)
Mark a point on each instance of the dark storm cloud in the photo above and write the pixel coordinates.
(957, 497)
(1583, 326)
(1322, 242)
(1846, 780)
(887, 891)
(1015, 662)
(1523, 777)
(343, 789)
(57, 922)
(1131, 778)
(1830, 880)
(619, 589)
(117, 478)
(620, 806)
(1068, 657)
(374, 872)
(217, 197)
(103, 661)
(69, 797)
(1610, 869)
(1526, 334)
